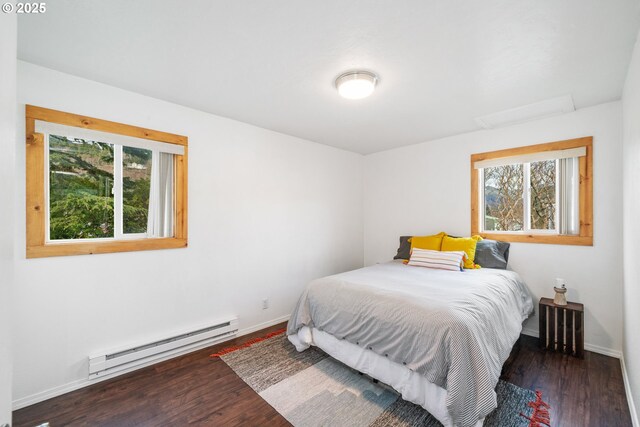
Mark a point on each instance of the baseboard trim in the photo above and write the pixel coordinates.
(263, 325)
(52, 392)
(602, 350)
(587, 346)
(85, 382)
(627, 389)
(530, 332)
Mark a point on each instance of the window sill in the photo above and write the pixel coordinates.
(103, 247)
(550, 239)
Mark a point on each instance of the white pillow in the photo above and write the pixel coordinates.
(442, 260)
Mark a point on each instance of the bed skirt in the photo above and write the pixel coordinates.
(412, 386)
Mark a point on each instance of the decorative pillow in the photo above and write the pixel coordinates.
(466, 244)
(451, 260)
(492, 254)
(404, 251)
(433, 242)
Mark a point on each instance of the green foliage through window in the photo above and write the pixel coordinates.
(136, 182)
(80, 188)
(81, 178)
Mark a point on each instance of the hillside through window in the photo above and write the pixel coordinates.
(95, 186)
(510, 191)
(503, 206)
(136, 182)
(534, 194)
(81, 189)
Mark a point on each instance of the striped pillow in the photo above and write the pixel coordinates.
(448, 260)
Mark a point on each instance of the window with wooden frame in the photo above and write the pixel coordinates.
(95, 186)
(539, 194)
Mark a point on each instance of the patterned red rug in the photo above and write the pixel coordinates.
(272, 367)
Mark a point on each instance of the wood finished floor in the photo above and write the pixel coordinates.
(196, 390)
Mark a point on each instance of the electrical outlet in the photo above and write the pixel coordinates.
(265, 304)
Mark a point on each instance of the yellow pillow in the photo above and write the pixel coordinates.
(466, 244)
(428, 242)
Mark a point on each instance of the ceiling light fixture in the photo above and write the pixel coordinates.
(356, 84)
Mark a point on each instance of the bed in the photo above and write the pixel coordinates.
(438, 337)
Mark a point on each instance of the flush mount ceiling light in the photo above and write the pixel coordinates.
(356, 84)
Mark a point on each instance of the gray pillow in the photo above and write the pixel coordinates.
(404, 251)
(492, 254)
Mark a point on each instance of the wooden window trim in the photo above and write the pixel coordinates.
(35, 190)
(585, 237)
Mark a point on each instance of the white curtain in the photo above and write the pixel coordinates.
(161, 211)
(569, 176)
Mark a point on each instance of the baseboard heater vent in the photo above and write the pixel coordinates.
(144, 354)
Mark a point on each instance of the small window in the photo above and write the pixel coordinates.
(95, 186)
(539, 194)
(524, 197)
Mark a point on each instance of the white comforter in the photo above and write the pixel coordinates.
(454, 328)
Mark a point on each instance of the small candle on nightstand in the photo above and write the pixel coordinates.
(561, 290)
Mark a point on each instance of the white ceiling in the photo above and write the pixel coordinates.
(273, 63)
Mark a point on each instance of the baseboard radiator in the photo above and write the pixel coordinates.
(142, 355)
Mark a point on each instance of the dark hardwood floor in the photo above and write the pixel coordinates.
(581, 392)
(196, 390)
(188, 390)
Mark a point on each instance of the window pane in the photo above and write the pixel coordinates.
(80, 188)
(543, 195)
(503, 205)
(136, 182)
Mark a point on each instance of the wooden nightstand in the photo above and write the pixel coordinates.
(562, 327)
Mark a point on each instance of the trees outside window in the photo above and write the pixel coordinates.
(95, 186)
(505, 194)
(534, 194)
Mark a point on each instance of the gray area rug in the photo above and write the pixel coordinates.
(312, 389)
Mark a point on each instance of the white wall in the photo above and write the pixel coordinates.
(267, 213)
(631, 214)
(425, 188)
(8, 43)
